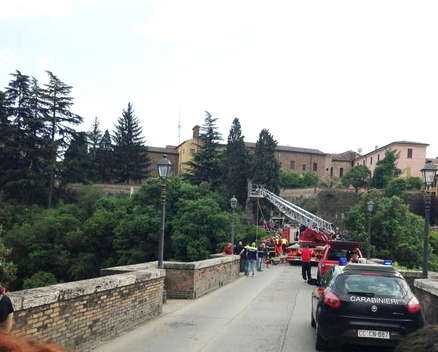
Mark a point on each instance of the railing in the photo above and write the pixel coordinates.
(292, 211)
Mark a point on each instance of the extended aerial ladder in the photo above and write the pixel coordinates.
(292, 211)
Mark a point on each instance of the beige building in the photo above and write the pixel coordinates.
(411, 157)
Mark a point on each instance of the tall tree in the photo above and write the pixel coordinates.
(386, 169)
(236, 164)
(24, 178)
(266, 169)
(129, 149)
(104, 158)
(58, 102)
(94, 137)
(205, 166)
(77, 162)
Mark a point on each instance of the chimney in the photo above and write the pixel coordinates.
(196, 132)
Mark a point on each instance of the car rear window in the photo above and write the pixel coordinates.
(372, 285)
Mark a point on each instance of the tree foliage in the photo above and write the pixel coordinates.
(358, 177)
(129, 149)
(57, 101)
(396, 233)
(290, 180)
(386, 169)
(205, 166)
(236, 164)
(266, 169)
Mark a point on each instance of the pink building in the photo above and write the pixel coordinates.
(411, 157)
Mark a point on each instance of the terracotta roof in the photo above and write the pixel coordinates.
(345, 156)
(392, 143)
(284, 148)
(162, 150)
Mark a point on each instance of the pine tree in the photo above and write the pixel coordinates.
(94, 138)
(129, 149)
(205, 166)
(24, 178)
(77, 163)
(266, 167)
(105, 159)
(58, 102)
(236, 164)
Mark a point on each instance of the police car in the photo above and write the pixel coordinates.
(366, 304)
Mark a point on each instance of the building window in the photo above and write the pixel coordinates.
(331, 171)
(315, 167)
(363, 162)
(292, 164)
(192, 151)
(304, 167)
(341, 172)
(409, 153)
(371, 161)
(378, 157)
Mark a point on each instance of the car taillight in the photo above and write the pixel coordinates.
(413, 305)
(331, 300)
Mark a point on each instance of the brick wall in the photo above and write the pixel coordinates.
(193, 279)
(79, 315)
(426, 291)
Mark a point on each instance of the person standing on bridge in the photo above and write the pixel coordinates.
(306, 257)
(6, 312)
(251, 258)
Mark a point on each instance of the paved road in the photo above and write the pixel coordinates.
(268, 312)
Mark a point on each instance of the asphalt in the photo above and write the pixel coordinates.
(268, 312)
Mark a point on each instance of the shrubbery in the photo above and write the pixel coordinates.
(74, 241)
(290, 179)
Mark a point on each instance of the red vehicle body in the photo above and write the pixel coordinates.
(334, 251)
(312, 238)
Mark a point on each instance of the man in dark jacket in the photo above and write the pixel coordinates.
(6, 312)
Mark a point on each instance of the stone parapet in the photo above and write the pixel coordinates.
(426, 291)
(190, 280)
(79, 315)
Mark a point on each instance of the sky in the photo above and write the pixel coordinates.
(331, 75)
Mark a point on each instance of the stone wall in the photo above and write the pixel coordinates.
(192, 279)
(426, 291)
(79, 315)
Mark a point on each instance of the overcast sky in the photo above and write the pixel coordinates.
(331, 75)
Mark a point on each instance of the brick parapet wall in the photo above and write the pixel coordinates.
(190, 280)
(79, 315)
(426, 291)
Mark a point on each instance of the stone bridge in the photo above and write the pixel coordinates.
(209, 308)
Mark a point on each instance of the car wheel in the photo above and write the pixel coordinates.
(321, 344)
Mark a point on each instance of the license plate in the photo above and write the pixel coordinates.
(374, 334)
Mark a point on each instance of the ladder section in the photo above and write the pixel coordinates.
(292, 211)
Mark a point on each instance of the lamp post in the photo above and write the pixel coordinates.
(233, 203)
(429, 172)
(370, 208)
(163, 167)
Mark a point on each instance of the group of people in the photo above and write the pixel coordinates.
(252, 258)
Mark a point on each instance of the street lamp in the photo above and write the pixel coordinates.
(233, 203)
(163, 167)
(429, 172)
(370, 208)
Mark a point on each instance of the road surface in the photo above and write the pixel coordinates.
(268, 312)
